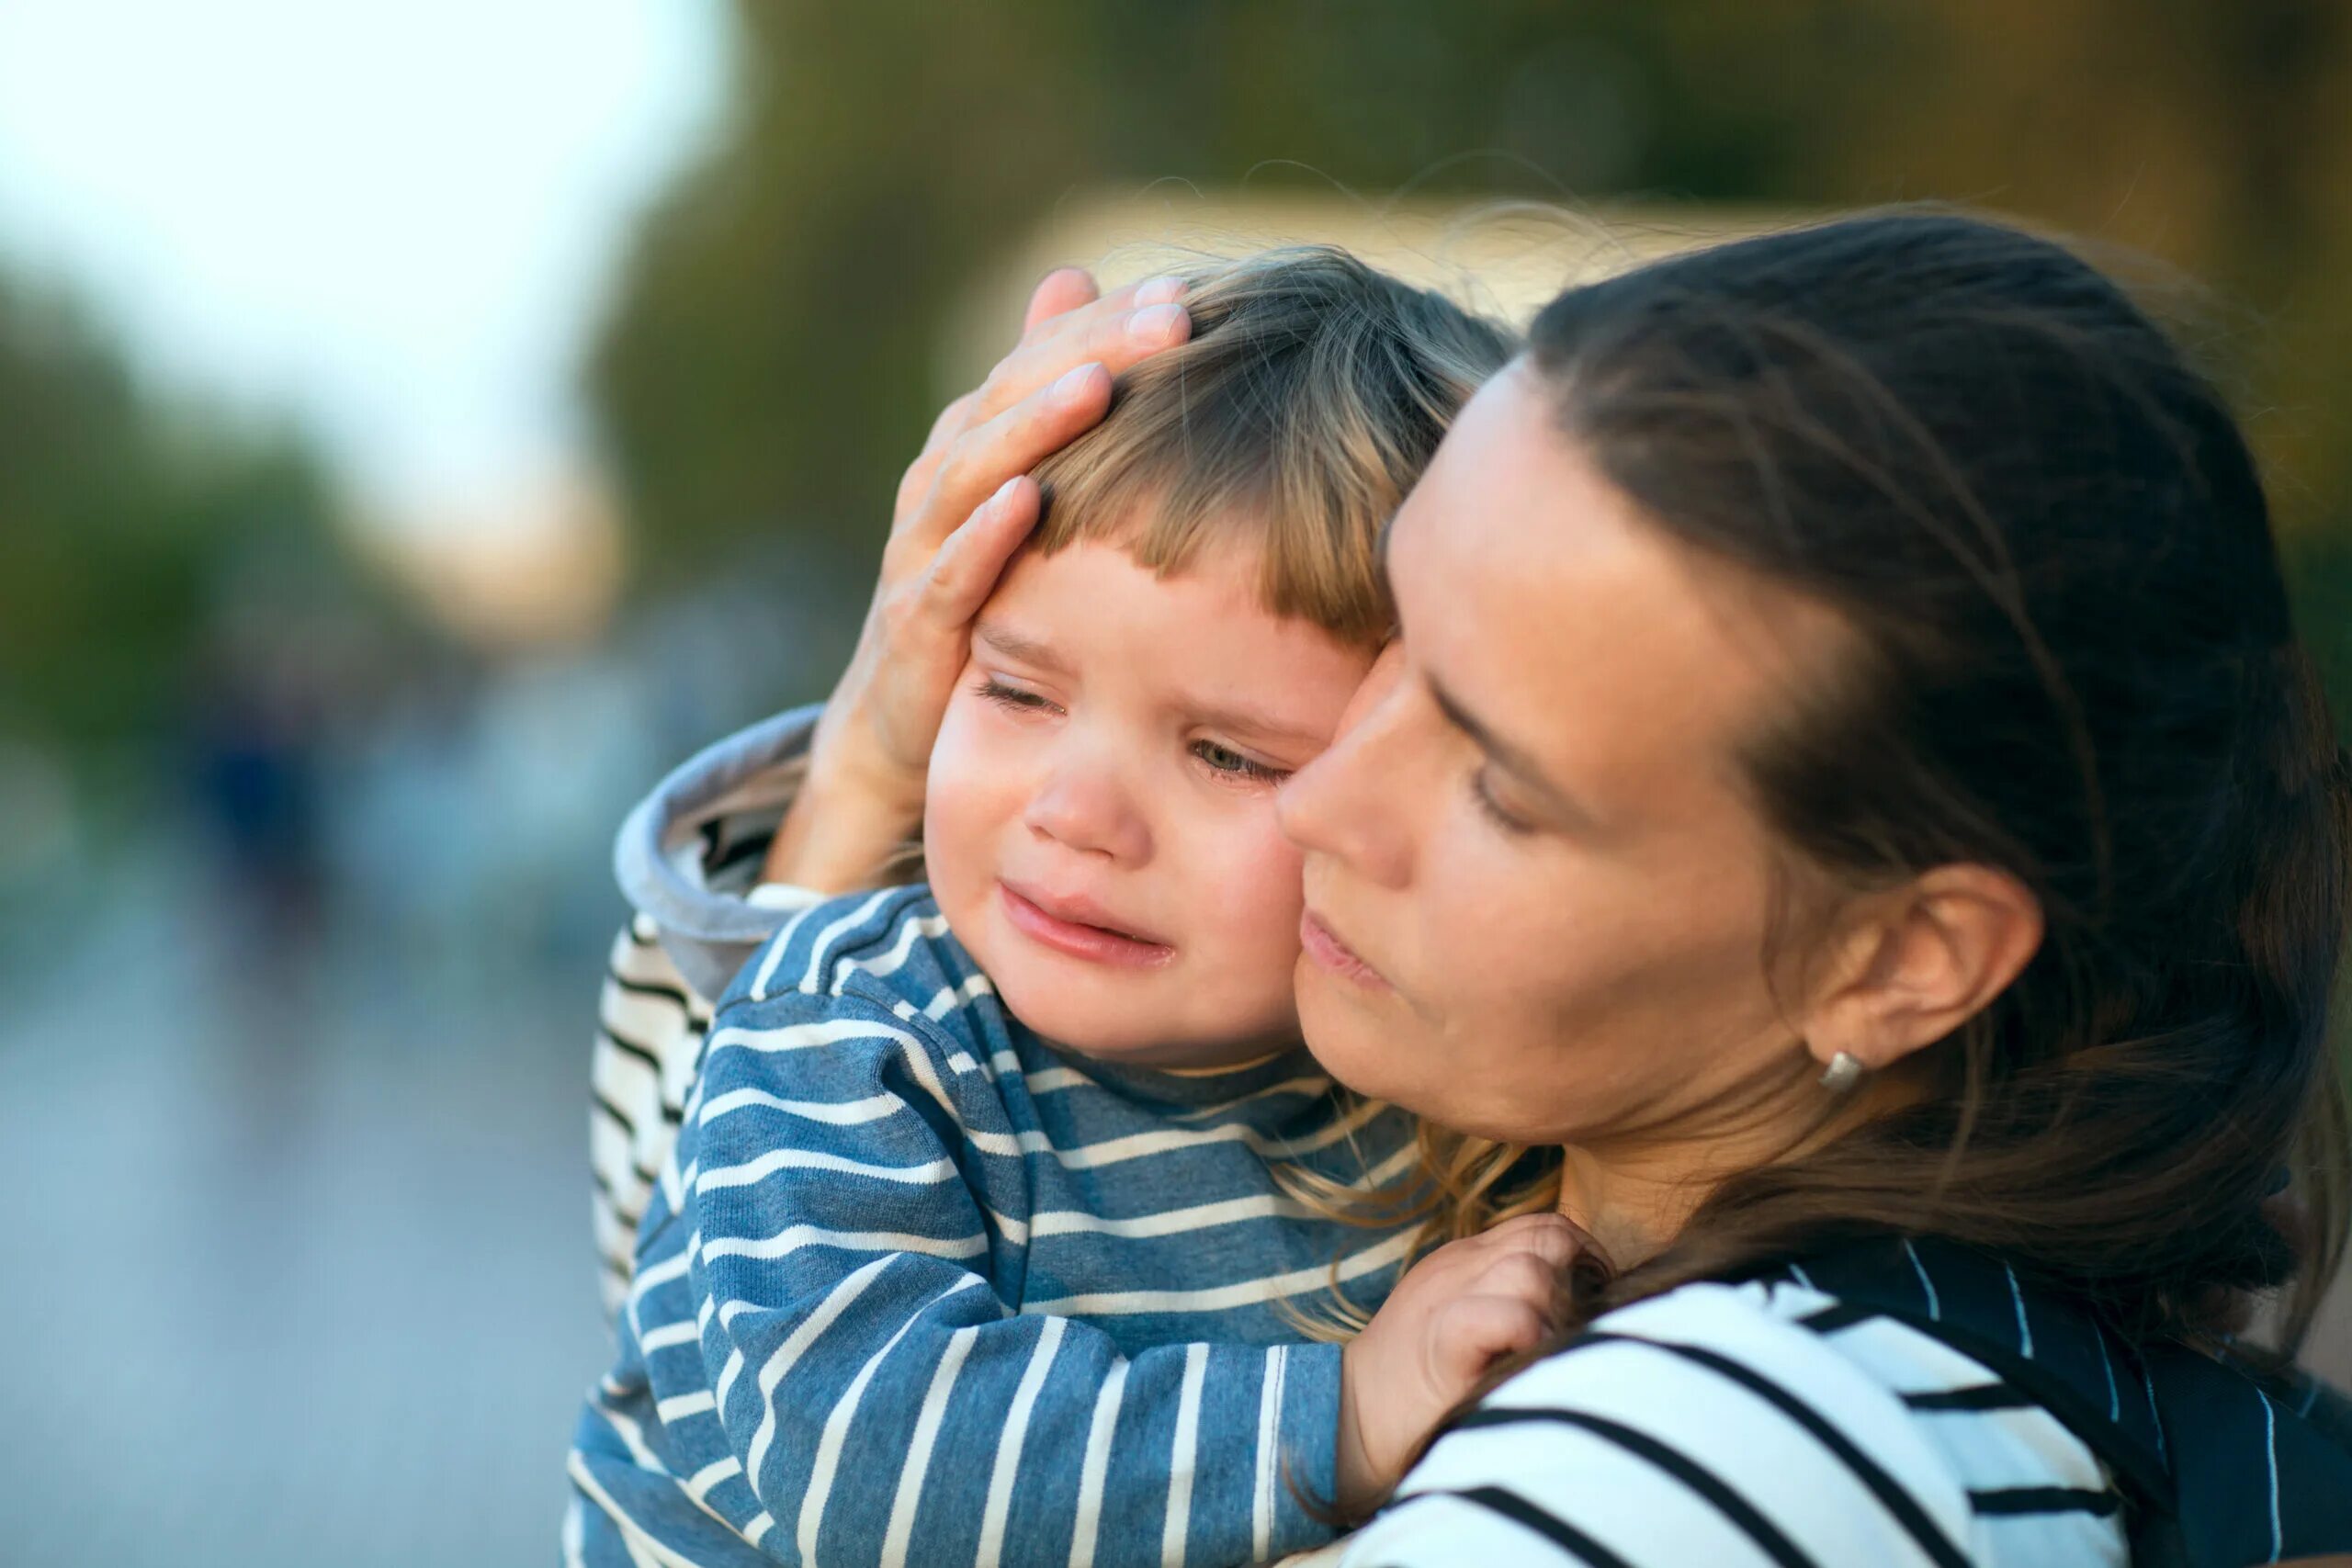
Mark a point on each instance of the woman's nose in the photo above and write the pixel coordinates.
(1082, 804)
(1347, 803)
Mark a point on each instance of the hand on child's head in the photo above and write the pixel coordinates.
(1455, 1313)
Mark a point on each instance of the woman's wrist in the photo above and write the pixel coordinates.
(842, 831)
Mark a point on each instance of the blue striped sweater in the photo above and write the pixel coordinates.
(915, 1286)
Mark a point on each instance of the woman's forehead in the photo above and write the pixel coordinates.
(1536, 595)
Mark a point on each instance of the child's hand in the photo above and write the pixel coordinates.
(963, 508)
(1454, 1313)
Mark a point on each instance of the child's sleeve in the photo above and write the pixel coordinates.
(832, 1304)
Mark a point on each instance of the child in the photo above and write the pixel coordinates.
(985, 1236)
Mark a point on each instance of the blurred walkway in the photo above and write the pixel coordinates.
(299, 1272)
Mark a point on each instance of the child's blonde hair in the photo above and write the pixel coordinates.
(1308, 400)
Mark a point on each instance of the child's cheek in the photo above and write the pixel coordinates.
(957, 811)
(1257, 900)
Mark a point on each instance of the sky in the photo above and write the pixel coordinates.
(396, 224)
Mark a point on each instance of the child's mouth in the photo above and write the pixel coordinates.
(1079, 939)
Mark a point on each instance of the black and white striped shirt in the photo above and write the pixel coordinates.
(649, 1026)
(1763, 1424)
(688, 861)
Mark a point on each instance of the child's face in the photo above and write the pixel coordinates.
(1099, 823)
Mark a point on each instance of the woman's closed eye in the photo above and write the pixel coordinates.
(1482, 794)
(1223, 760)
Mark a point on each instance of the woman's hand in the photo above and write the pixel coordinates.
(1451, 1317)
(963, 508)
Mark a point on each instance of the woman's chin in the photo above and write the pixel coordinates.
(1350, 1038)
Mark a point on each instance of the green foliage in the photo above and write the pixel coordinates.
(121, 517)
(770, 360)
(2319, 570)
(767, 368)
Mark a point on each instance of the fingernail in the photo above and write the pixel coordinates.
(1003, 496)
(1073, 383)
(1155, 325)
(1160, 291)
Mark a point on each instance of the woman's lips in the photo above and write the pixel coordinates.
(1079, 939)
(1325, 947)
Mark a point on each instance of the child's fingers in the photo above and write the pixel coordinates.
(1549, 1236)
(1526, 1277)
(1477, 1331)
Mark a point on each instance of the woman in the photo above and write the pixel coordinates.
(1846, 783)
(1889, 599)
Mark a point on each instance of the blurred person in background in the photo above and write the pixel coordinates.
(1848, 823)
(256, 744)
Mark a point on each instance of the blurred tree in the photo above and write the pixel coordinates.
(767, 366)
(127, 523)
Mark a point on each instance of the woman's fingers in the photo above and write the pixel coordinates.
(1064, 319)
(915, 643)
(984, 457)
(1115, 331)
(952, 420)
(1060, 291)
(965, 570)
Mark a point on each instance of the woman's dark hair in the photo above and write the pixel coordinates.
(2071, 659)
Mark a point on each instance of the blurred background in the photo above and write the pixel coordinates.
(421, 424)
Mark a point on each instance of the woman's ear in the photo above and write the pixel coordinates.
(1913, 964)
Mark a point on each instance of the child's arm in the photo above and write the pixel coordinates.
(1454, 1316)
(830, 1299)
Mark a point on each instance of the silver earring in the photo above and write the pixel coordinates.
(1842, 1074)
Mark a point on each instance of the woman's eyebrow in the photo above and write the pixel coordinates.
(1021, 650)
(1519, 763)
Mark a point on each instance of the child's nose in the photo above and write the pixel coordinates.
(1082, 804)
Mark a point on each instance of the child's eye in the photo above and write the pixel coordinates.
(991, 689)
(1225, 760)
(1482, 796)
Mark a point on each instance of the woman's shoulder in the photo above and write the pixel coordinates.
(1752, 1423)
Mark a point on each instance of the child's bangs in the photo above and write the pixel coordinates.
(1307, 402)
(1166, 484)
